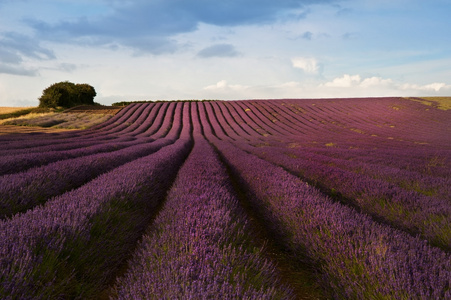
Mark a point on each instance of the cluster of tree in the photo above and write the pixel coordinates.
(67, 94)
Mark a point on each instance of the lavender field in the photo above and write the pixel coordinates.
(257, 199)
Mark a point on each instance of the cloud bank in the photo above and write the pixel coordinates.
(339, 87)
(148, 26)
(356, 81)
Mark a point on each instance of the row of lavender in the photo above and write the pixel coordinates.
(411, 200)
(200, 245)
(48, 252)
(46, 171)
(431, 161)
(359, 257)
(73, 245)
(402, 199)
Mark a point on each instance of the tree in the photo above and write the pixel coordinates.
(86, 93)
(67, 94)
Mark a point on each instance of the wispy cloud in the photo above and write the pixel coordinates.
(356, 81)
(17, 70)
(307, 64)
(218, 50)
(307, 35)
(350, 36)
(14, 48)
(436, 86)
(343, 86)
(345, 81)
(22, 45)
(67, 67)
(223, 85)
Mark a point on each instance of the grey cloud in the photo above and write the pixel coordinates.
(67, 67)
(307, 35)
(19, 44)
(8, 56)
(343, 11)
(219, 50)
(147, 26)
(153, 44)
(310, 36)
(17, 70)
(14, 48)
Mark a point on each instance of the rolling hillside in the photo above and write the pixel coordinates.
(257, 199)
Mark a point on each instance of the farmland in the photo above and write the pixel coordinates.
(256, 199)
(34, 119)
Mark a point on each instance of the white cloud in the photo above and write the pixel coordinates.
(356, 85)
(223, 85)
(345, 81)
(308, 64)
(436, 86)
(375, 81)
(218, 85)
(340, 87)
(290, 84)
(356, 81)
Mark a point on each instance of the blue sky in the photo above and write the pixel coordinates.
(204, 49)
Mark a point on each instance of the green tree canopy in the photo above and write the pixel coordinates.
(67, 94)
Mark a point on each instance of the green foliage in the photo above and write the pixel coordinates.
(67, 94)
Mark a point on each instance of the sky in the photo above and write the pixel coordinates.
(133, 50)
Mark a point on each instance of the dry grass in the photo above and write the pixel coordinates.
(58, 120)
(81, 117)
(8, 110)
(26, 117)
(443, 103)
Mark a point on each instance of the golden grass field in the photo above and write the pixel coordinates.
(76, 118)
(8, 110)
(443, 103)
